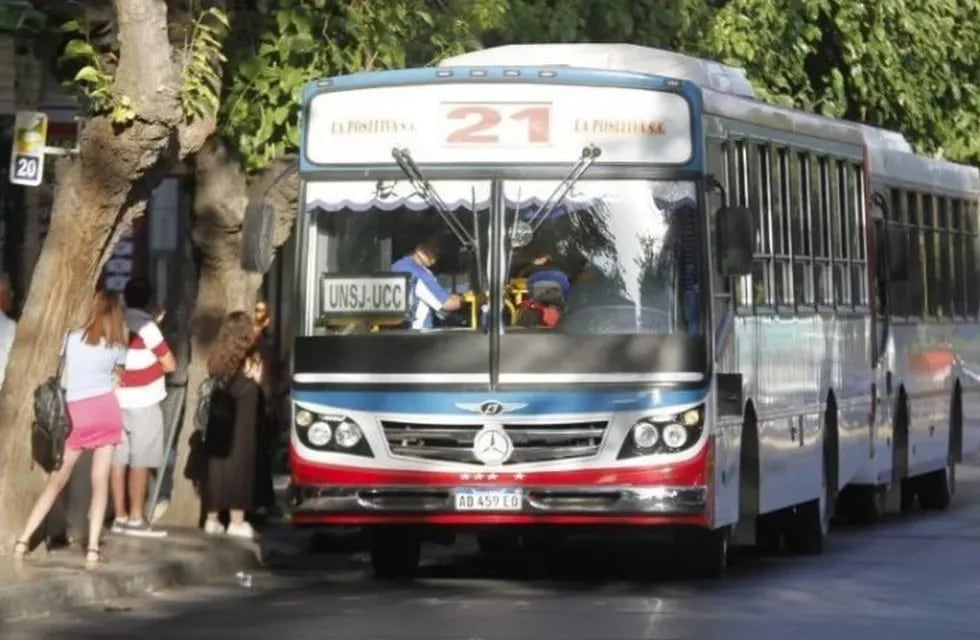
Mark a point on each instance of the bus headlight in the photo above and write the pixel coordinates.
(304, 418)
(330, 432)
(645, 435)
(675, 435)
(663, 433)
(319, 434)
(348, 434)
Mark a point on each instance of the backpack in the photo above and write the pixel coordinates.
(52, 424)
(215, 416)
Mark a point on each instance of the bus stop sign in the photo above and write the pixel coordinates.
(27, 154)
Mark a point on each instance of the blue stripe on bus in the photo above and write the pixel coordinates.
(536, 402)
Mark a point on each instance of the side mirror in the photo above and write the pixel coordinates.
(258, 237)
(735, 241)
(898, 255)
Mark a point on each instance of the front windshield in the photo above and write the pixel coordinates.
(613, 257)
(610, 257)
(365, 232)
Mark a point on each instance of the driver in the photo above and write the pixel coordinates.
(428, 296)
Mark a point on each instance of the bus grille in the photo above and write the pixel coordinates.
(532, 442)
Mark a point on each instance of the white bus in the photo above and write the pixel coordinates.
(683, 309)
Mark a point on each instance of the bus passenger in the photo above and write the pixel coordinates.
(428, 296)
(548, 288)
(546, 282)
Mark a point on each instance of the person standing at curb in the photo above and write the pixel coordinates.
(234, 421)
(140, 393)
(8, 326)
(93, 356)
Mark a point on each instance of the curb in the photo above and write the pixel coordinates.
(75, 588)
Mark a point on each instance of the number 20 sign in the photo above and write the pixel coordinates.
(27, 153)
(510, 124)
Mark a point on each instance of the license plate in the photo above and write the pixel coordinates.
(488, 500)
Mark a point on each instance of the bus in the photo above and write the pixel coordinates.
(556, 289)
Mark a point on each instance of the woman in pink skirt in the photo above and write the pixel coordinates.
(94, 355)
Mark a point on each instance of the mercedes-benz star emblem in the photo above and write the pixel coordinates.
(492, 445)
(491, 407)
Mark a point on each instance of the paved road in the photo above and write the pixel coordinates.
(916, 576)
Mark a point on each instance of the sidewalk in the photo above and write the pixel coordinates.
(46, 582)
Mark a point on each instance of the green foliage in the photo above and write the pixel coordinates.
(93, 77)
(907, 66)
(274, 55)
(203, 63)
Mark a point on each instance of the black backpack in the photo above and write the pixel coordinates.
(215, 416)
(52, 424)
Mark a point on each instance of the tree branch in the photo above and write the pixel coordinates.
(150, 82)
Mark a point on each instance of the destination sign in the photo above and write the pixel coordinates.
(498, 123)
(378, 295)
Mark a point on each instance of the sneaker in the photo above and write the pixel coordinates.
(241, 530)
(119, 525)
(142, 529)
(213, 528)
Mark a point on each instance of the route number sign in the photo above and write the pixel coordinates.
(27, 152)
(518, 124)
(500, 123)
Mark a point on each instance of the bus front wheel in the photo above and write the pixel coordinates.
(395, 552)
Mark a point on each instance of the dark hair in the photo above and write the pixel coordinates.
(235, 343)
(429, 244)
(138, 293)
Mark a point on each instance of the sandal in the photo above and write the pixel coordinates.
(93, 558)
(21, 547)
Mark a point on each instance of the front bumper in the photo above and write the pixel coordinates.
(537, 500)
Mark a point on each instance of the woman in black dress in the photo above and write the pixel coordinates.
(235, 418)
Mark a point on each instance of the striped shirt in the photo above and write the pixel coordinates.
(142, 383)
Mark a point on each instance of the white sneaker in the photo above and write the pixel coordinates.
(241, 530)
(119, 525)
(213, 527)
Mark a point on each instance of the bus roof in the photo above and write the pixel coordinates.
(612, 57)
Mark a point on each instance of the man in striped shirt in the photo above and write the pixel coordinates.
(141, 390)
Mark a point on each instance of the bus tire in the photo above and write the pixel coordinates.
(707, 553)
(865, 504)
(395, 553)
(935, 489)
(811, 522)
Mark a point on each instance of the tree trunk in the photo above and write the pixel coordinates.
(223, 286)
(97, 195)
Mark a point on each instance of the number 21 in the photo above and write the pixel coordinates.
(488, 118)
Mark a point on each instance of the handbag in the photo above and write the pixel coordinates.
(52, 423)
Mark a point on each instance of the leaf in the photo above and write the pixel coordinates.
(220, 16)
(88, 74)
(71, 26)
(76, 49)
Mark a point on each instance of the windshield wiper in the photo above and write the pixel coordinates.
(424, 188)
(589, 155)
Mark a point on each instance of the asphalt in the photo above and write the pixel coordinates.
(916, 576)
(51, 582)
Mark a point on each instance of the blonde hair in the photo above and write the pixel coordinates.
(105, 322)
